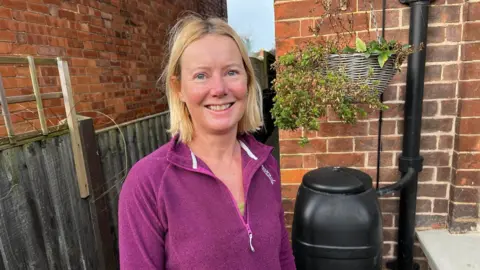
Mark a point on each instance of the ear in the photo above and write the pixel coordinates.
(175, 84)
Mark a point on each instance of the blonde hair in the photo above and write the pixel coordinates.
(184, 32)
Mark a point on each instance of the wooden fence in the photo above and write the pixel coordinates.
(44, 222)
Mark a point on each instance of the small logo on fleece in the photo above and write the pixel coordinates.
(267, 173)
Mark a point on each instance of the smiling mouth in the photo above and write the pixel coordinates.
(218, 108)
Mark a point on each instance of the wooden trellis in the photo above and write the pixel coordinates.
(38, 97)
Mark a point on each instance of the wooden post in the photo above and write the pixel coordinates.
(6, 112)
(73, 126)
(38, 97)
(100, 217)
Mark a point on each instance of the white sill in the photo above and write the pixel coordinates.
(446, 251)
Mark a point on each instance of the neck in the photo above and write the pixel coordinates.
(214, 147)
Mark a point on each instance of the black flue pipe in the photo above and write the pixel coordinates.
(410, 161)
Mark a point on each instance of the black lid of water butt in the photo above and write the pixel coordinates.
(338, 180)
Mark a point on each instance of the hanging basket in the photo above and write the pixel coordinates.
(357, 66)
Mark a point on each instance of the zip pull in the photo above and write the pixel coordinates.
(250, 236)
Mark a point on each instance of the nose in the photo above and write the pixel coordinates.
(218, 87)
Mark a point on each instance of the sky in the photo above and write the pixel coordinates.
(253, 19)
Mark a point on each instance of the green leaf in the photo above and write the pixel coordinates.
(382, 58)
(367, 55)
(360, 45)
(348, 49)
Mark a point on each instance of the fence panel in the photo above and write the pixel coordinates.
(44, 223)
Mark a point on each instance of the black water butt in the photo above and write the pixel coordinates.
(337, 222)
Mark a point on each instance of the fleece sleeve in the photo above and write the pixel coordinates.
(141, 234)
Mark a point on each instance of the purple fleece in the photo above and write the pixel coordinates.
(175, 214)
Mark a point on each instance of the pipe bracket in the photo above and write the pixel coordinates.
(408, 2)
(404, 163)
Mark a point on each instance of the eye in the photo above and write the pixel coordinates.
(200, 76)
(232, 72)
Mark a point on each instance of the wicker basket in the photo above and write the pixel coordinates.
(357, 66)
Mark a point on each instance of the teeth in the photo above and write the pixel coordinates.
(219, 107)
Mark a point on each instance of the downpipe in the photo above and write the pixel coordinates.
(410, 161)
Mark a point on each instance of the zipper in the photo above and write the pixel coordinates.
(232, 199)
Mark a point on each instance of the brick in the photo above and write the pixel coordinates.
(291, 162)
(469, 89)
(390, 234)
(432, 190)
(394, 110)
(287, 29)
(428, 142)
(400, 35)
(463, 194)
(392, 19)
(65, 14)
(389, 205)
(5, 48)
(347, 160)
(38, 8)
(468, 143)
(366, 144)
(289, 191)
(436, 159)
(467, 178)
(469, 125)
(51, 51)
(340, 145)
(388, 127)
(469, 71)
(435, 125)
(386, 159)
(292, 146)
(288, 205)
(5, 13)
(472, 11)
(448, 107)
(444, 174)
(365, 6)
(306, 28)
(469, 108)
(471, 51)
(470, 31)
(291, 10)
(445, 142)
(283, 46)
(463, 210)
(390, 93)
(450, 72)
(7, 36)
(440, 206)
(454, 33)
(429, 108)
(431, 221)
(458, 226)
(468, 161)
(387, 220)
(35, 18)
(424, 206)
(433, 73)
(310, 161)
(442, 53)
(15, 4)
(340, 129)
(436, 34)
(8, 71)
(290, 134)
(293, 176)
(439, 14)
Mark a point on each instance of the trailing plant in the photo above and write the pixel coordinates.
(308, 83)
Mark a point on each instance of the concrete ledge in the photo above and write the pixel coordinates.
(446, 251)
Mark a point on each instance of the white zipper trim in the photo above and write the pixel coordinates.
(249, 153)
(194, 160)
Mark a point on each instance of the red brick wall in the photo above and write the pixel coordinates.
(114, 49)
(450, 130)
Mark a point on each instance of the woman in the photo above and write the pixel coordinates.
(210, 198)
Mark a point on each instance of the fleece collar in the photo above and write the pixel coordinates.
(180, 154)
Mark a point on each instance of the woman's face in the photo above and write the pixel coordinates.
(213, 84)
